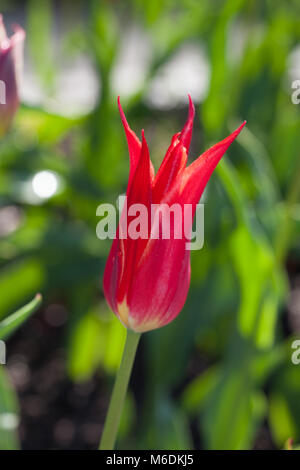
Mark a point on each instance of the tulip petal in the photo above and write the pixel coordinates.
(125, 252)
(139, 193)
(17, 44)
(169, 171)
(196, 176)
(134, 146)
(3, 35)
(141, 189)
(175, 158)
(111, 274)
(186, 134)
(11, 58)
(160, 285)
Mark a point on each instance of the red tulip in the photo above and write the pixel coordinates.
(11, 58)
(146, 281)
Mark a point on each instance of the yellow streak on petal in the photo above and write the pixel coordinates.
(130, 322)
(143, 327)
(123, 312)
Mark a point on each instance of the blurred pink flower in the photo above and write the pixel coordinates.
(11, 61)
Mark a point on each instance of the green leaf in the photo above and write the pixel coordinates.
(86, 347)
(12, 322)
(234, 410)
(34, 124)
(284, 409)
(197, 392)
(97, 339)
(281, 419)
(39, 25)
(18, 281)
(253, 263)
(261, 281)
(166, 427)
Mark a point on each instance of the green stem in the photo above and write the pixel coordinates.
(119, 392)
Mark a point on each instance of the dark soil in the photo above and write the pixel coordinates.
(55, 412)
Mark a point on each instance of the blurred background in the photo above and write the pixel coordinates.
(221, 375)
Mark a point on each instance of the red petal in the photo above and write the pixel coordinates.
(134, 147)
(186, 134)
(175, 158)
(160, 286)
(111, 274)
(169, 171)
(140, 192)
(195, 176)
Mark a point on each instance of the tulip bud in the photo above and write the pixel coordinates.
(11, 60)
(146, 279)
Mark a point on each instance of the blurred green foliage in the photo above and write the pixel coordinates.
(224, 365)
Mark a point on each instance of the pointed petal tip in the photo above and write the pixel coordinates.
(18, 29)
(229, 139)
(144, 141)
(119, 101)
(191, 105)
(3, 35)
(191, 101)
(19, 34)
(119, 105)
(186, 133)
(238, 130)
(122, 114)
